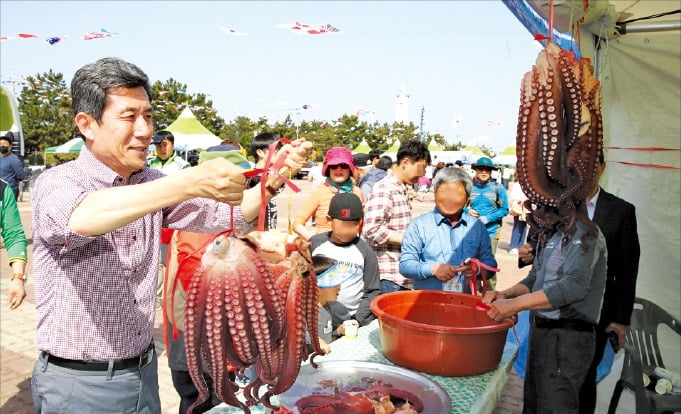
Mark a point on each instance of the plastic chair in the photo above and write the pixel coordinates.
(642, 355)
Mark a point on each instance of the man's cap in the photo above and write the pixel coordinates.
(337, 156)
(484, 162)
(156, 139)
(361, 160)
(346, 207)
(223, 147)
(335, 275)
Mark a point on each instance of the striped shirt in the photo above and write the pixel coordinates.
(387, 211)
(95, 295)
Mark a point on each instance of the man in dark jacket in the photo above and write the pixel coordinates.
(616, 219)
(11, 166)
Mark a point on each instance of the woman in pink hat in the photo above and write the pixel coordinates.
(338, 169)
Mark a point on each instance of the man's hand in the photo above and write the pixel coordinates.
(492, 295)
(16, 293)
(501, 309)
(296, 154)
(220, 180)
(526, 253)
(443, 271)
(621, 331)
(473, 213)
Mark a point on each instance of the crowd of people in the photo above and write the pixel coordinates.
(98, 222)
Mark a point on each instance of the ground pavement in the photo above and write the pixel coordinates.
(18, 349)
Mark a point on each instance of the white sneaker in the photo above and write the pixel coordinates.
(513, 252)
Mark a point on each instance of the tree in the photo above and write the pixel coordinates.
(169, 98)
(45, 111)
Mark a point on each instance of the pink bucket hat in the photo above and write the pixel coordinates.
(338, 155)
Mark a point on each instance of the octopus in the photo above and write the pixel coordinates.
(377, 398)
(250, 304)
(559, 139)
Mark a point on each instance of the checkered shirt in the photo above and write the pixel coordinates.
(95, 296)
(387, 211)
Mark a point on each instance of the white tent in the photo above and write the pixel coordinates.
(190, 134)
(639, 66)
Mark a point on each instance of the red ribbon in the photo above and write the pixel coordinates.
(479, 267)
(644, 148)
(270, 168)
(635, 164)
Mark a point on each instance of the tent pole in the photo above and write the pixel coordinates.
(640, 27)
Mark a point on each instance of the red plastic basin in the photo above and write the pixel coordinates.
(441, 333)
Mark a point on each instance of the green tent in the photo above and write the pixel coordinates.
(393, 148)
(190, 134)
(433, 146)
(72, 146)
(6, 114)
(475, 151)
(362, 148)
(506, 157)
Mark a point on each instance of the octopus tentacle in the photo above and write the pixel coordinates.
(195, 305)
(244, 316)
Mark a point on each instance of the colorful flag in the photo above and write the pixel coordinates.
(109, 32)
(232, 31)
(55, 39)
(95, 35)
(301, 28)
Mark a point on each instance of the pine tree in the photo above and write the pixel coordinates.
(45, 111)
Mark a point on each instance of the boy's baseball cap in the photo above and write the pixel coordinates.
(346, 207)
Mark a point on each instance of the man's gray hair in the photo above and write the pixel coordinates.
(91, 83)
(453, 175)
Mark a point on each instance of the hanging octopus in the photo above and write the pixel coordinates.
(244, 311)
(559, 139)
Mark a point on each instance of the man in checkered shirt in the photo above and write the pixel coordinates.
(387, 213)
(96, 230)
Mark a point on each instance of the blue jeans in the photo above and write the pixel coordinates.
(518, 232)
(387, 286)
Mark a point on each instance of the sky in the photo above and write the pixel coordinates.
(461, 61)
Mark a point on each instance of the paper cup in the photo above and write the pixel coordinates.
(351, 326)
(663, 386)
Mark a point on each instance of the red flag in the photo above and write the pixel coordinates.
(27, 36)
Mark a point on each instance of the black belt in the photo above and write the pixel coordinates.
(569, 324)
(136, 362)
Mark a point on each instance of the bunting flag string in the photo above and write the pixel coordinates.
(53, 40)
